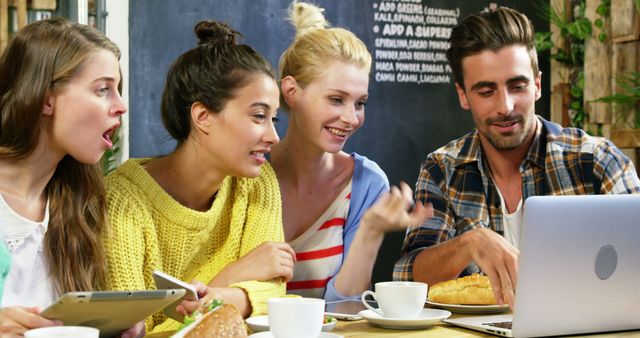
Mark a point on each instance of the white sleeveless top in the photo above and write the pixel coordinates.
(319, 250)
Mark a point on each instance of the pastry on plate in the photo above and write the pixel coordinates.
(469, 290)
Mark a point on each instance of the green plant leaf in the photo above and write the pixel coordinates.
(580, 28)
(599, 23)
(548, 12)
(628, 93)
(543, 41)
(576, 92)
(602, 37)
(602, 9)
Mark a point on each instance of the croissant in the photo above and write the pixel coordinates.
(469, 290)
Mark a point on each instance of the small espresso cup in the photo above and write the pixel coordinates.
(63, 331)
(295, 317)
(397, 299)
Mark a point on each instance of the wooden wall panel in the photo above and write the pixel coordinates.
(21, 8)
(597, 70)
(624, 21)
(560, 101)
(4, 24)
(43, 4)
(625, 59)
(559, 72)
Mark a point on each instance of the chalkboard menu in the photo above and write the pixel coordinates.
(412, 108)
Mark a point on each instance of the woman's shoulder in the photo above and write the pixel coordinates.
(368, 170)
(130, 181)
(131, 172)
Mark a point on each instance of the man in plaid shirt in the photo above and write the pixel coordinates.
(477, 183)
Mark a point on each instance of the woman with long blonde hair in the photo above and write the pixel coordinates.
(336, 206)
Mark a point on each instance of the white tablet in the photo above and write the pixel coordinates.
(164, 281)
(110, 311)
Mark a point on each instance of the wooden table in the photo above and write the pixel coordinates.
(362, 329)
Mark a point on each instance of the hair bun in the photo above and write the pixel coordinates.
(215, 33)
(305, 17)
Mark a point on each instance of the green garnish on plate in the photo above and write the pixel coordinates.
(190, 319)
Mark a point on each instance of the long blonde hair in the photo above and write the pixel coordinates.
(41, 59)
(316, 46)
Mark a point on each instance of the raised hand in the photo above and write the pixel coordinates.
(391, 212)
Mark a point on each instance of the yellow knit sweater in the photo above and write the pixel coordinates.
(151, 231)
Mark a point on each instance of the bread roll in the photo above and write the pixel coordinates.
(223, 321)
(470, 290)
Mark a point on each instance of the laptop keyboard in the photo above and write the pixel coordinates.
(503, 325)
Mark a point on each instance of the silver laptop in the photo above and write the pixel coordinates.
(579, 268)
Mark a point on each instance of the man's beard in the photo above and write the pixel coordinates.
(506, 141)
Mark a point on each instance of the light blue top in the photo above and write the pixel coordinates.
(368, 183)
(5, 264)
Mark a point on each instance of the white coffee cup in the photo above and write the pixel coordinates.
(295, 317)
(398, 299)
(63, 331)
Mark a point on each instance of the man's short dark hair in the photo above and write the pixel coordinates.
(490, 31)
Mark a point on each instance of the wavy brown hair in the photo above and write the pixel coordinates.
(41, 59)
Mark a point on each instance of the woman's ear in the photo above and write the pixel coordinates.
(201, 117)
(289, 88)
(49, 102)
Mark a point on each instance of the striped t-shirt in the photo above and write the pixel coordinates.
(319, 249)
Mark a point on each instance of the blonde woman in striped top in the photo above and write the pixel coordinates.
(336, 206)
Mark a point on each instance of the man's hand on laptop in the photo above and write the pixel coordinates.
(498, 259)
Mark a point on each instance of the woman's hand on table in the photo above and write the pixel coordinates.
(15, 320)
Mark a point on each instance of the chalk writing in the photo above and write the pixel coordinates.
(410, 42)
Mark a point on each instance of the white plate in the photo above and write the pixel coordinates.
(268, 334)
(261, 323)
(426, 318)
(457, 308)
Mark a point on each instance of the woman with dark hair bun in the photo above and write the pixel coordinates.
(210, 210)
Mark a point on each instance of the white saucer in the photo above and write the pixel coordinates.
(261, 323)
(457, 308)
(268, 334)
(426, 318)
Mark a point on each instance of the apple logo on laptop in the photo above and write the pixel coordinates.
(606, 262)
